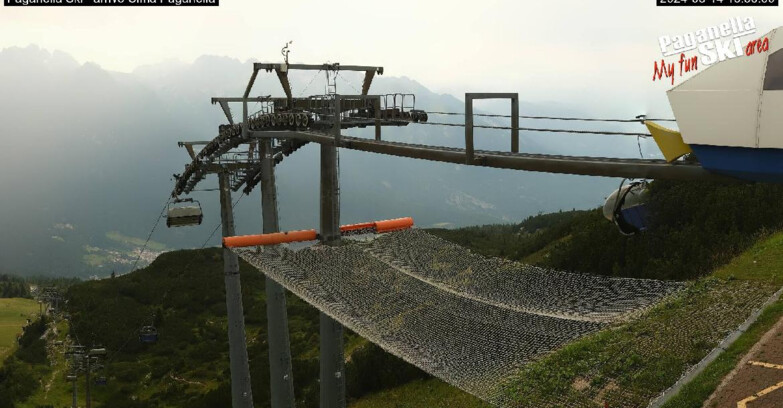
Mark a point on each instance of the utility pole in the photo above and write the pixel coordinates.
(332, 352)
(280, 372)
(241, 391)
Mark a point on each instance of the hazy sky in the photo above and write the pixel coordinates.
(590, 53)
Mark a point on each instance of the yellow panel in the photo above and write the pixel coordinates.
(669, 141)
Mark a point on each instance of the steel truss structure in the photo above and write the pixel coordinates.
(285, 124)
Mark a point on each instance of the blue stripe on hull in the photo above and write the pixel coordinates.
(747, 163)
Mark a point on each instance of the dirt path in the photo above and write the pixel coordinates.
(757, 381)
(182, 380)
(49, 383)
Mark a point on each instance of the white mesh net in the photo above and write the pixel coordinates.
(467, 319)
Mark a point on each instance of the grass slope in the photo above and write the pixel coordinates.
(52, 388)
(430, 393)
(763, 262)
(630, 364)
(21, 371)
(695, 393)
(14, 313)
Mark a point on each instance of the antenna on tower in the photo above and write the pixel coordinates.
(285, 51)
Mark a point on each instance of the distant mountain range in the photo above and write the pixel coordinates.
(88, 157)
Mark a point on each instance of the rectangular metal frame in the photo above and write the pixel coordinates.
(469, 97)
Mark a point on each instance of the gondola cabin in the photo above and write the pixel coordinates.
(148, 334)
(184, 215)
(627, 208)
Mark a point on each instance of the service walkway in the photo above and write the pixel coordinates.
(757, 382)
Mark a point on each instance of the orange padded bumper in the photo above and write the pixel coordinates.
(393, 225)
(378, 227)
(270, 239)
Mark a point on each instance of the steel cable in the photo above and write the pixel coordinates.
(592, 132)
(492, 115)
(144, 247)
(134, 332)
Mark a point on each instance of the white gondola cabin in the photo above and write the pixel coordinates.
(184, 215)
(627, 207)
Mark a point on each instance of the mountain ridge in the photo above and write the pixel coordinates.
(96, 149)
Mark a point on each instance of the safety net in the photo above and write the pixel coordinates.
(465, 318)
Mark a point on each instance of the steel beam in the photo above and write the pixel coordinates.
(283, 77)
(191, 153)
(315, 67)
(280, 373)
(74, 403)
(468, 128)
(241, 99)
(245, 127)
(515, 124)
(587, 166)
(377, 109)
(87, 394)
(332, 353)
(226, 111)
(491, 95)
(241, 391)
(368, 76)
(250, 85)
(337, 120)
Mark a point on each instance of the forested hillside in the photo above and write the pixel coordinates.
(694, 227)
(182, 294)
(13, 286)
(20, 372)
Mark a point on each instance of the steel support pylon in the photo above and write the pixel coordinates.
(74, 403)
(241, 392)
(280, 374)
(332, 353)
(87, 396)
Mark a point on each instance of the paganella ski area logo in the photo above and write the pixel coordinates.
(712, 44)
